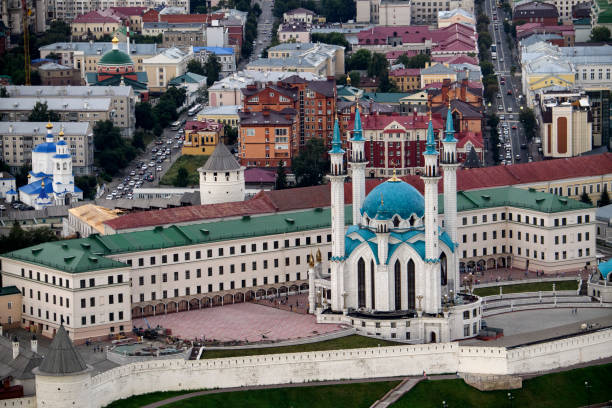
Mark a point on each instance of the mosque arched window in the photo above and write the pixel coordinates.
(398, 285)
(396, 221)
(361, 295)
(372, 284)
(443, 269)
(411, 286)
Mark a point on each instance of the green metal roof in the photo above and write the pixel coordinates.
(513, 197)
(387, 97)
(115, 57)
(87, 254)
(82, 255)
(9, 290)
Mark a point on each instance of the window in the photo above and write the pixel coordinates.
(111, 299)
(83, 303)
(164, 277)
(187, 256)
(92, 301)
(175, 257)
(164, 259)
(176, 276)
(152, 260)
(140, 280)
(120, 298)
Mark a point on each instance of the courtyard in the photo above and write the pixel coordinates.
(240, 322)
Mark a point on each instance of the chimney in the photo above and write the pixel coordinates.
(128, 39)
(15, 347)
(464, 84)
(445, 88)
(34, 344)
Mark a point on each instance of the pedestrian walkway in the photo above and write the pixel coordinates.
(396, 393)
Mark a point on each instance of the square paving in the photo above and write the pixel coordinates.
(242, 321)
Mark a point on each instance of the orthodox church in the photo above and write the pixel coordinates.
(117, 68)
(51, 181)
(395, 272)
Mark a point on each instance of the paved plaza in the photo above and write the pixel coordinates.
(535, 325)
(240, 322)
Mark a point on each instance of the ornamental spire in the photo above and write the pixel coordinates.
(336, 142)
(357, 131)
(450, 130)
(431, 140)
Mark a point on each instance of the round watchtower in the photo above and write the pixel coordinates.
(221, 178)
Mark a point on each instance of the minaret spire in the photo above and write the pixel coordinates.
(432, 293)
(336, 177)
(449, 166)
(358, 164)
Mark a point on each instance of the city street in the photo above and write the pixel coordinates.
(513, 144)
(264, 32)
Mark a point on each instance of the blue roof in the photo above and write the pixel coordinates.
(336, 142)
(605, 268)
(47, 147)
(216, 50)
(446, 239)
(61, 143)
(11, 191)
(431, 140)
(450, 130)
(357, 132)
(62, 156)
(35, 187)
(39, 175)
(397, 197)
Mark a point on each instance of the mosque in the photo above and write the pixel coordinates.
(51, 181)
(395, 272)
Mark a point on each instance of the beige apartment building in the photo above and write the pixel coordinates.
(122, 100)
(10, 307)
(69, 109)
(100, 283)
(19, 138)
(167, 65)
(567, 128)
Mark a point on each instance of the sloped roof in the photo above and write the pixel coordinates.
(62, 357)
(21, 367)
(472, 160)
(221, 160)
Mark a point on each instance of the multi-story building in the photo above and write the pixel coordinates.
(85, 56)
(426, 11)
(465, 91)
(201, 137)
(12, 15)
(96, 285)
(567, 124)
(168, 64)
(228, 91)
(265, 138)
(95, 24)
(67, 10)
(87, 219)
(564, 7)
(54, 74)
(535, 12)
(183, 38)
(122, 101)
(225, 55)
(299, 15)
(385, 13)
(156, 28)
(226, 115)
(10, 306)
(19, 138)
(436, 73)
(294, 32)
(315, 102)
(456, 16)
(406, 79)
(319, 59)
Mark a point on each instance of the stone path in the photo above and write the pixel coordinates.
(392, 396)
(240, 322)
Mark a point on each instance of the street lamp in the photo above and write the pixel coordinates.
(588, 390)
(510, 398)
(444, 404)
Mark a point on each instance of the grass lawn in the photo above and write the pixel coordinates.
(527, 287)
(191, 163)
(140, 400)
(360, 395)
(559, 390)
(348, 342)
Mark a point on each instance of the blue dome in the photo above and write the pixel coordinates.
(45, 148)
(61, 143)
(398, 197)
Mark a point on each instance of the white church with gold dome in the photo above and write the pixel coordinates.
(395, 272)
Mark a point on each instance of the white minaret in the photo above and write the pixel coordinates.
(311, 285)
(358, 165)
(449, 166)
(432, 290)
(336, 177)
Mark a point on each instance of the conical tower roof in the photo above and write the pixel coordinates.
(62, 358)
(472, 161)
(221, 160)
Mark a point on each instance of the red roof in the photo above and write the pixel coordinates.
(130, 11)
(258, 175)
(151, 16)
(190, 18)
(319, 196)
(473, 138)
(455, 59)
(397, 54)
(377, 122)
(202, 125)
(406, 72)
(96, 17)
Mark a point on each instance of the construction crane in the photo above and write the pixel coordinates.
(26, 40)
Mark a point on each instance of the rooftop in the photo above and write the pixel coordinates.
(221, 160)
(284, 117)
(67, 91)
(94, 215)
(220, 110)
(241, 79)
(39, 128)
(100, 48)
(299, 10)
(9, 290)
(62, 357)
(56, 104)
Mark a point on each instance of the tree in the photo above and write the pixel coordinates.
(88, 184)
(417, 61)
(355, 78)
(144, 115)
(196, 67)
(112, 152)
(213, 69)
(18, 238)
(4, 93)
(584, 197)
(378, 64)
(310, 165)
(330, 38)
(138, 139)
(40, 113)
(604, 199)
(486, 68)
(21, 178)
(182, 177)
(527, 118)
(359, 60)
(281, 176)
(231, 134)
(600, 34)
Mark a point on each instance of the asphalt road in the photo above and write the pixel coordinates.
(264, 31)
(507, 105)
